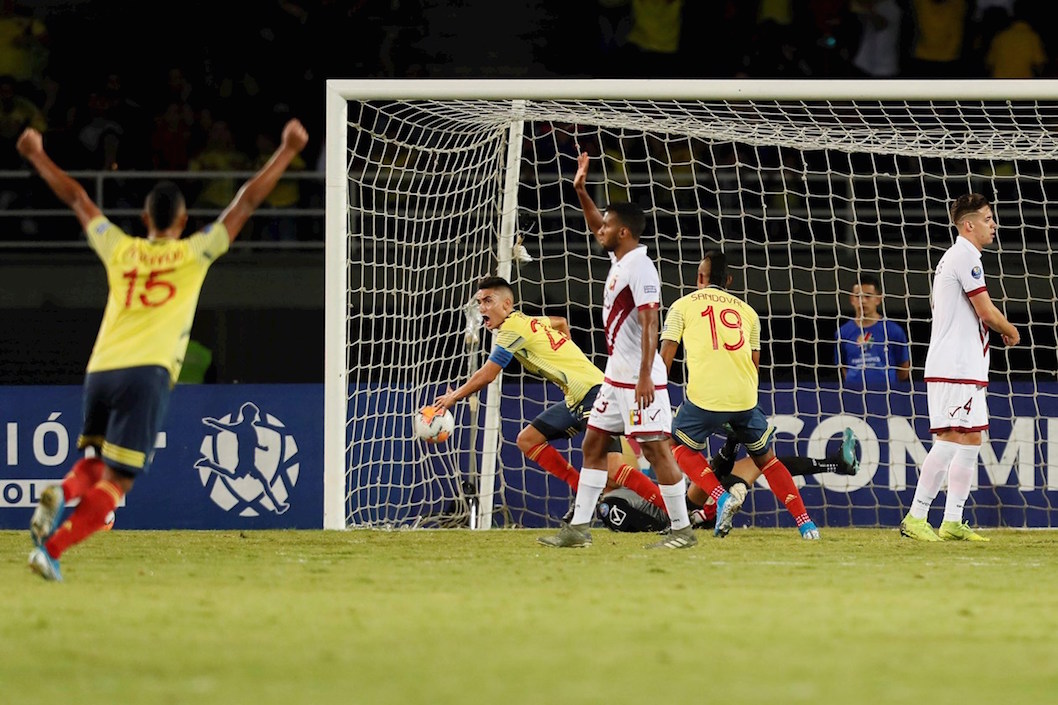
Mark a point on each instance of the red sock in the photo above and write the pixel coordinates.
(782, 486)
(89, 517)
(696, 467)
(85, 473)
(633, 479)
(709, 510)
(551, 460)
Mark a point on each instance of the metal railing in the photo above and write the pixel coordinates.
(27, 206)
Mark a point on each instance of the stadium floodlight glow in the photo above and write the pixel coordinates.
(432, 184)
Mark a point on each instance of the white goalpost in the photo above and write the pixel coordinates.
(806, 185)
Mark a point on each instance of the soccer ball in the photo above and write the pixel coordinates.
(433, 425)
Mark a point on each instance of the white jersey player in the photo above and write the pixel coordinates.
(956, 373)
(623, 405)
(634, 398)
(958, 341)
(632, 285)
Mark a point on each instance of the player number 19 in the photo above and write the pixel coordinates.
(729, 318)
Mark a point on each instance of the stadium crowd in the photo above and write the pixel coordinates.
(207, 94)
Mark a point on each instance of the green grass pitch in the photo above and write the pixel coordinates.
(454, 616)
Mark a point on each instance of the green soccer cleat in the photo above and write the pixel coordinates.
(955, 531)
(850, 464)
(677, 538)
(918, 529)
(569, 536)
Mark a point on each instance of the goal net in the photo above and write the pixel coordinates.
(806, 186)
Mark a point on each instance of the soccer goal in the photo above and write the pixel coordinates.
(806, 185)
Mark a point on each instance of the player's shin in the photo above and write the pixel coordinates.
(552, 461)
(592, 484)
(695, 466)
(89, 517)
(633, 479)
(932, 475)
(808, 466)
(782, 486)
(84, 474)
(961, 473)
(676, 504)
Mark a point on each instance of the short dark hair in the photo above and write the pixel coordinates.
(965, 205)
(495, 283)
(717, 267)
(163, 203)
(870, 280)
(631, 216)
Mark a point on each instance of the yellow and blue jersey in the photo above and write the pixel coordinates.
(547, 352)
(720, 333)
(154, 289)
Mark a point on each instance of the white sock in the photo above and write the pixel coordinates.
(675, 502)
(961, 473)
(934, 469)
(589, 488)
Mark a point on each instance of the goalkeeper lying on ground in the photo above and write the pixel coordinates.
(623, 510)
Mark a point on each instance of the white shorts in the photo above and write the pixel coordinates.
(615, 411)
(958, 407)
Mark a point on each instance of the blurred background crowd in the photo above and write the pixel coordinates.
(127, 92)
(135, 86)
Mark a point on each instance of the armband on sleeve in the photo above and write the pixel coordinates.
(501, 356)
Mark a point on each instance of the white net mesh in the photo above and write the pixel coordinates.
(804, 197)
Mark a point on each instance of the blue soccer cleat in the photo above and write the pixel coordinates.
(47, 515)
(44, 565)
(809, 531)
(726, 507)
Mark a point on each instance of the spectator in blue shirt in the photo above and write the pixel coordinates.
(872, 351)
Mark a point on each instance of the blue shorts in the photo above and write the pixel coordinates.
(123, 412)
(561, 421)
(693, 426)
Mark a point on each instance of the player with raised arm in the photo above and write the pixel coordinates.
(634, 399)
(154, 284)
(543, 346)
(956, 373)
(721, 336)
